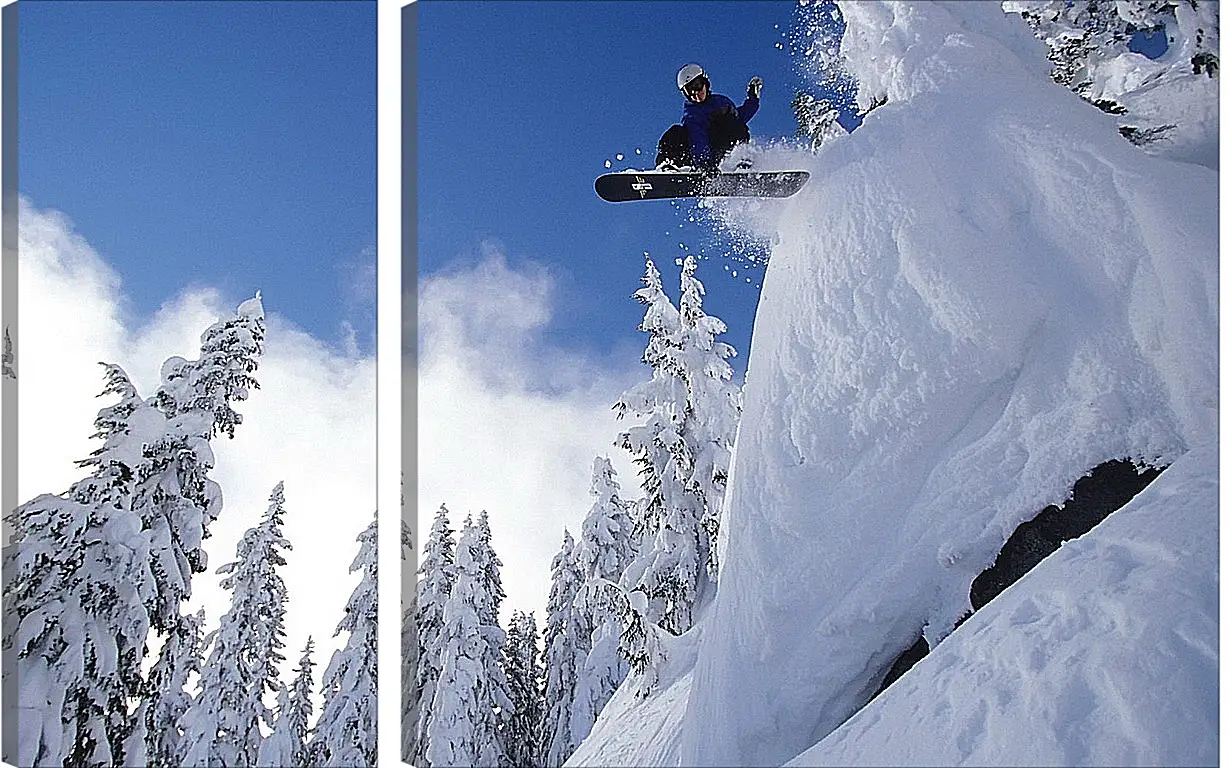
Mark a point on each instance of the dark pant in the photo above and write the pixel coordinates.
(674, 147)
(724, 132)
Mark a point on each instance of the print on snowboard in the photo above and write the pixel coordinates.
(662, 185)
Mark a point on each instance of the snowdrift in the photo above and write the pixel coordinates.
(983, 293)
(1106, 653)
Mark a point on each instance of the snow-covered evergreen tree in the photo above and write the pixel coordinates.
(78, 592)
(409, 688)
(174, 495)
(345, 734)
(715, 405)
(8, 358)
(671, 564)
(639, 638)
(409, 659)
(437, 574)
(491, 596)
(409, 652)
(222, 725)
(683, 448)
(522, 724)
(156, 738)
(661, 400)
(277, 749)
(606, 544)
(817, 118)
(301, 702)
(113, 557)
(602, 555)
(286, 746)
(566, 647)
(471, 691)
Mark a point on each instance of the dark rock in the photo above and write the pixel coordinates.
(1106, 488)
(1103, 490)
(904, 662)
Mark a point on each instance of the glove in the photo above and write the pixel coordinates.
(753, 87)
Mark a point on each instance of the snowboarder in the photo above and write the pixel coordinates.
(711, 125)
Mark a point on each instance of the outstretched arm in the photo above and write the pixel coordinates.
(752, 104)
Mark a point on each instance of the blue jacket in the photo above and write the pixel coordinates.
(697, 116)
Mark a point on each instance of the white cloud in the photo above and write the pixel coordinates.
(506, 421)
(311, 423)
(357, 287)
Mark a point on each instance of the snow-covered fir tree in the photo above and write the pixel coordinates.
(409, 688)
(277, 749)
(491, 596)
(8, 359)
(522, 667)
(691, 412)
(79, 593)
(662, 400)
(156, 739)
(222, 726)
(472, 690)
(345, 734)
(565, 649)
(605, 550)
(175, 498)
(409, 662)
(817, 118)
(715, 405)
(286, 746)
(640, 641)
(669, 565)
(437, 574)
(113, 557)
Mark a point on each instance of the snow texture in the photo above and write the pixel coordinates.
(984, 292)
(1106, 653)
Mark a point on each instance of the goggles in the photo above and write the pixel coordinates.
(695, 86)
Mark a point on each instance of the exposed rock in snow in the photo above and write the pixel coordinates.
(1105, 654)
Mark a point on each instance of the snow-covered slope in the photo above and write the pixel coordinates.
(640, 731)
(1106, 653)
(983, 293)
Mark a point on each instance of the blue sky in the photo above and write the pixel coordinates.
(225, 144)
(521, 104)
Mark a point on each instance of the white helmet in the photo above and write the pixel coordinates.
(688, 73)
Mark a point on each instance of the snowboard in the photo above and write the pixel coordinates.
(663, 185)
